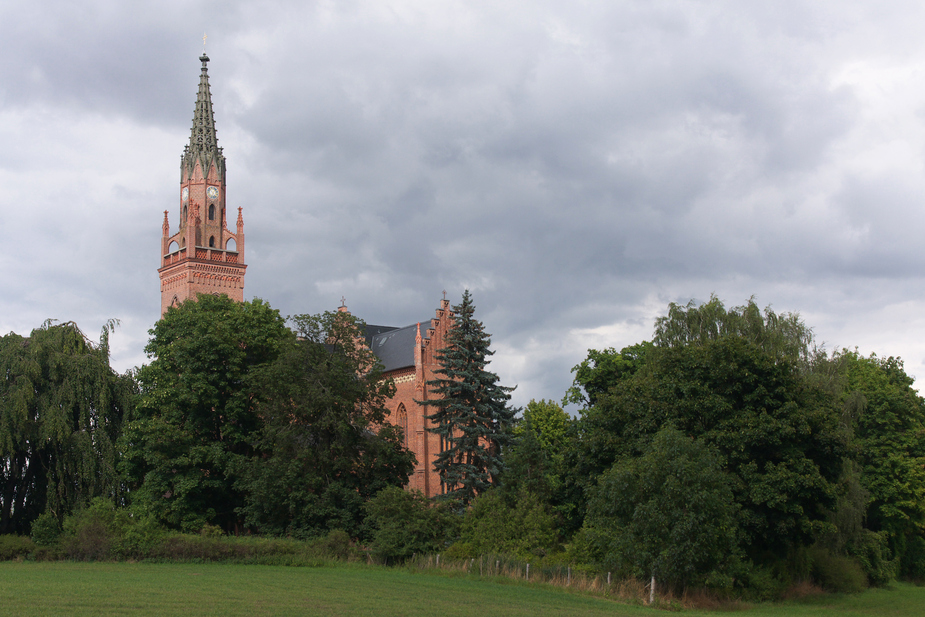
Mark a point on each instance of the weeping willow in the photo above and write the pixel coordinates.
(61, 410)
(782, 335)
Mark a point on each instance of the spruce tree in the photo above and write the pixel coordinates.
(472, 416)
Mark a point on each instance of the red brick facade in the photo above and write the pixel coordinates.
(411, 387)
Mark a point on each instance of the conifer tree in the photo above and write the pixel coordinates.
(472, 416)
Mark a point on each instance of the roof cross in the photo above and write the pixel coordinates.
(343, 301)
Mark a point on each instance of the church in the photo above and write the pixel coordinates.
(204, 256)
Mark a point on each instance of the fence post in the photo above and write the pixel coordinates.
(652, 590)
(568, 579)
(608, 579)
(528, 571)
(438, 560)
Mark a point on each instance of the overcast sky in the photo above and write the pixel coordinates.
(576, 165)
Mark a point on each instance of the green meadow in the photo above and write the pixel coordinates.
(67, 588)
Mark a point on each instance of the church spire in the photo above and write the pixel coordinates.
(203, 142)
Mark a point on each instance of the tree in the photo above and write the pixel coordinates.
(197, 414)
(602, 370)
(472, 416)
(779, 435)
(783, 336)
(325, 447)
(669, 513)
(887, 418)
(61, 410)
(535, 460)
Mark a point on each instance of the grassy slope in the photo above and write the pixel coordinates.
(187, 590)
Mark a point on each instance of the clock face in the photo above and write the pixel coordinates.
(212, 192)
(185, 193)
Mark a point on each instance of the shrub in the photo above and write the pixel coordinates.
(406, 522)
(525, 529)
(838, 573)
(15, 547)
(46, 529)
(872, 552)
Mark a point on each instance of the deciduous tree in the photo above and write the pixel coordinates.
(197, 413)
(669, 513)
(325, 447)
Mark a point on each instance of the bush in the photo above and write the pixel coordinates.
(15, 547)
(406, 522)
(46, 529)
(838, 573)
(872, 552)
(525, 529)
(759, 583)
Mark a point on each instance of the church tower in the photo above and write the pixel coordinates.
(204, 256)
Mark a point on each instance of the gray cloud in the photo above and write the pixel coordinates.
(577, 169)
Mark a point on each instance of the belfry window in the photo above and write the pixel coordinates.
(211, 212)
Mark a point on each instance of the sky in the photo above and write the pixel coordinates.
(576, 165)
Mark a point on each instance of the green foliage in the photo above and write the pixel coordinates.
(782, 336)
(46, 529)
(778, 435)
(602, 370)
(887, 418)
(524, 529)
(61, 410)
(197, 415)
(325, 447)
(244, 423)
(472, 417)
(668, 513)
(15, 547)
(407, 522)
(535, 460)
(835, 572)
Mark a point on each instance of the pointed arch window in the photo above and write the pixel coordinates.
(211, 212)
(401, 416)
(211, 242)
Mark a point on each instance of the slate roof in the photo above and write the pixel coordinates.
(393, 346)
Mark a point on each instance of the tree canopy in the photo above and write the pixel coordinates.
(197, 413)
(669, 513)
(324, 448)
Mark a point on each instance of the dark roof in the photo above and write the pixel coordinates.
(393, 346)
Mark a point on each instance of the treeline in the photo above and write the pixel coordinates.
(728, 453)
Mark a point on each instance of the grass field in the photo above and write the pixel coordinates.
(64, 588)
